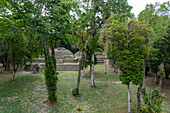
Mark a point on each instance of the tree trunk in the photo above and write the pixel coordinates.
(92, 73)
(140, 89)
(6, 65)
(84, 62)
(146, 70)
(129, 106)
(50, 80)
(160, 79)
(106, 71)
(79, 73)
(13, 74)
(156, 78)
(114, 66)
(84, 71)
(118, 72)
(5, 62)
(106, 65)
(160, 83)
(167, 72)
(53, 57)
(90, 68)
(13, 62)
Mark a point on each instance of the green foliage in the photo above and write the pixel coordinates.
(50, 79)
(152, 101)
(28, 67)
(129, 46)
(157, 16)
(90, 15)
(161, 74)
(17, 38)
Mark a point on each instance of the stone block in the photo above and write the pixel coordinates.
(72, 60)
(68, 67)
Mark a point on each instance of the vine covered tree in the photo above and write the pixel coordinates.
(129, 40)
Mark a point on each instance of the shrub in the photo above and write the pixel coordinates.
(153, 101)
(75, 92)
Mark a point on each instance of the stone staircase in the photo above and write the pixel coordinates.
(66, 61)
(100, 57)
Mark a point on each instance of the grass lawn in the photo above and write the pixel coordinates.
(26, 94)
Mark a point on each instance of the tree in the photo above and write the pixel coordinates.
(48, 19)
(94, 14)
(16, 38)
(157, 17)
(129, 47)
(54, 24)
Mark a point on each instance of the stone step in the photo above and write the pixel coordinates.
(68, 67)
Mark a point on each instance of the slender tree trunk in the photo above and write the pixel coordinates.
(7, 60)
(146, 70)
(6, 65)
(140, 89)
(106, 72)
(106, 65)
(160, 79)
(92, 73)
(79, 73)
(156, 78)
(13, 62)
(166, 71)
(160, 83)
(13, 73)
(119, 72)
(129, 104)
(84, 62)
(90, 68)
(84, 71)
(114, 67)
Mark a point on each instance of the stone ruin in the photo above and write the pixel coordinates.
(100, 57)
(66, 61)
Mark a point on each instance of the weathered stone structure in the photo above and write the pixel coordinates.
(101, 57)
(66, 61)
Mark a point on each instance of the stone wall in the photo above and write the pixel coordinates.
(68, 67)
(66, 61)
